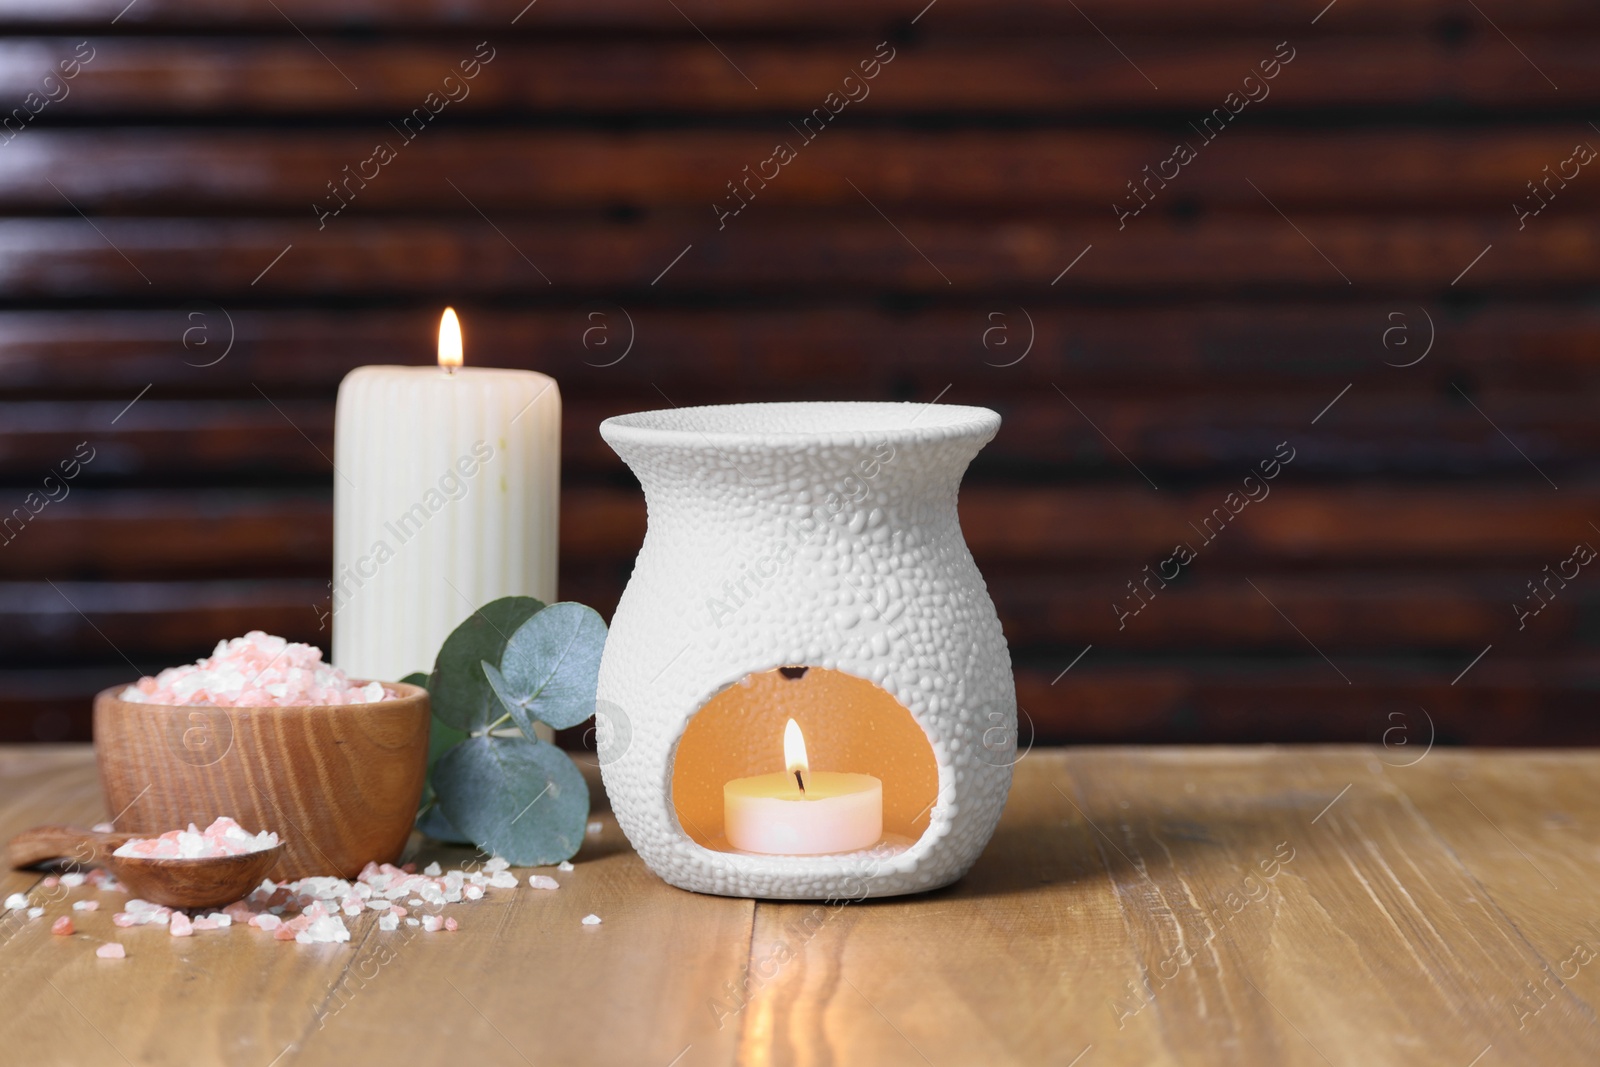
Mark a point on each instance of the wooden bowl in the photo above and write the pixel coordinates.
(338, 784)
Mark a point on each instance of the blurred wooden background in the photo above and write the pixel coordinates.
(160, 249)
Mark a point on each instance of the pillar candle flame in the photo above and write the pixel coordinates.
(449, 340)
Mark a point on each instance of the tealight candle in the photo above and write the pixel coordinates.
(801, 812)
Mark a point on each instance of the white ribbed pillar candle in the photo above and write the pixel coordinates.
(446, 493)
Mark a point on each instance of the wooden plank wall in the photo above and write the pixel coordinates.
(1339, 272)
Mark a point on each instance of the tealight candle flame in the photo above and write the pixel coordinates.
(449, 340)
(794, 753)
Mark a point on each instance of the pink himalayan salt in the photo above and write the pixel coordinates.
(432, 923)
(63, 926)
(223, 837)
(85, 905)
(111, 950)
(180, 925)
(451, 924)
(51, 881)
(256, 670)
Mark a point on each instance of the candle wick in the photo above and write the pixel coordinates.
(801, 782)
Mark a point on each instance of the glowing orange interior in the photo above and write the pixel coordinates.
(849, 725)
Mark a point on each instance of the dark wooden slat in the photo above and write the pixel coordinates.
(1101, 528)
(123, 533)
(185, 259)
(992, 173)
(1193, 434)
(147, 623)
(742, 353)
(1341, 612)
(1074, 74)
(1505, 701)
(731, 15)
(1311, 524)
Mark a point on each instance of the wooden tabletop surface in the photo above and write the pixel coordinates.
(1240, 906)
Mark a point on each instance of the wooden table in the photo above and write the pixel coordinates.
(1321, 906)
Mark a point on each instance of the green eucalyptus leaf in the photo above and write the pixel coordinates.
(508, 700)
(416, 678)
(514, 797)
(433, 823)
(460, 693)
(551, 667)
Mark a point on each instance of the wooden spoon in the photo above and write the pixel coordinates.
(202, 882)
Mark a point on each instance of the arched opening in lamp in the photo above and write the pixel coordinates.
(850, 727)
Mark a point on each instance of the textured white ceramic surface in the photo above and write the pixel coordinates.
(817, 534)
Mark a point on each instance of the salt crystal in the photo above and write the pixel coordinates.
(595, 827)
(223, 837)
(51, 881)
(503, 880)
(62, 926)
(205, 923)
(323, 929)
(414, 902)
(221, 918)
(451, 924)
(379, 905)
(255, 670)
(543, 881)
(432, 923)
(390, 921)
(34, 913)
(591, 920)
(73, 879)
(267, 922)
(564, 866)
(85, 905)
(180, 925)
(433, 869)
(16, 902)
(473, 892)
(122, 918)
(496, 863)
(111, 950)
(411, 922)
(103, 828)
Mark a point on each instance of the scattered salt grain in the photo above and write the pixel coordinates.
(34, 913)
(180, 925)
(564, 866)
(51, 881)
(432, 923)
(102, 828)
(451, 924)
(16, 902)
(256, 670)
(503, 880)
(412, 922)
(268, 922)
(85, 905)
(391, 921)
(595, 828)
(63, 926)
(111, 950)
(472, 892)
(496, 863)
(433, 870)
(74, 879)
(591, 920)
(543, 881)
(223, 837)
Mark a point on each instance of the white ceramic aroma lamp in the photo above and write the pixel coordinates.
(804, 561)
